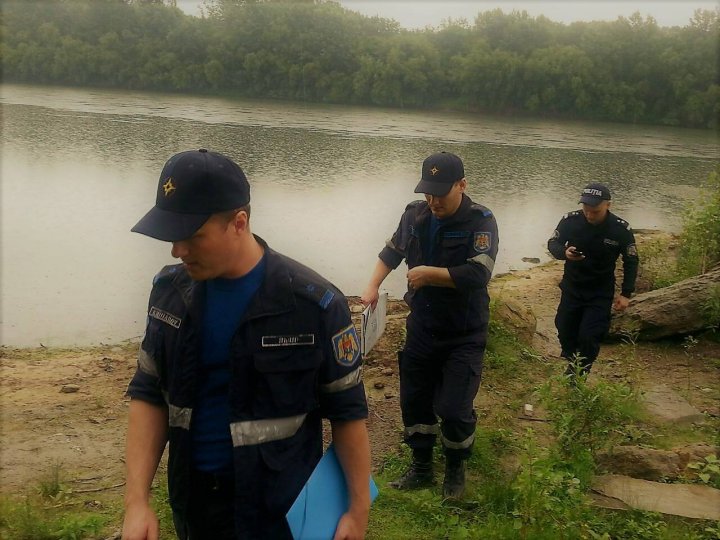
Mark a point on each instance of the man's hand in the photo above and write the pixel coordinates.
(419, 276)
(621, 303)
(370, 296)
(572, 254)
(423, 276)
(140, 523)
(351, 527)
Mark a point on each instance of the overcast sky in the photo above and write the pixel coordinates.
(418, 14)
(421, 13)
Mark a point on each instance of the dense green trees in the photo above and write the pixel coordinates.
(628, 70)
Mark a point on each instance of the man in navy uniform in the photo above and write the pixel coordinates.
(450, 244)
(590, 241)
(245, 351)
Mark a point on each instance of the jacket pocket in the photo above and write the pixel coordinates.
(453, 251)
(286, 382)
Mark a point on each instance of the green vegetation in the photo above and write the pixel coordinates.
(698, 250)
(49, 513)
(700, 239)
(522, 483)
(52, 510)
(629, 70)
(708, 470)
(532, 484)
(586, 418)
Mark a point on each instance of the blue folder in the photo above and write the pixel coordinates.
(323, 500)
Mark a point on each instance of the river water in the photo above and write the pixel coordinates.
(80, 167)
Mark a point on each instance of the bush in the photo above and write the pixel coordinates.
(587, 418)
(700, 238)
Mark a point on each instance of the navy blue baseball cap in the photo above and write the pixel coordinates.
(193, 186)
(439, 172)
(593, 194)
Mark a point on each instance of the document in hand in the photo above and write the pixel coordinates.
(323, 500)
(373, 324)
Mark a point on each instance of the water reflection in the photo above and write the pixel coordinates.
(328, 183)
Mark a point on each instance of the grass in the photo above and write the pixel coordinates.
(33, 517)
(521, 483)
(530, 485)
(50, 510)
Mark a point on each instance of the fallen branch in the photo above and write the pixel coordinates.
(95, 490)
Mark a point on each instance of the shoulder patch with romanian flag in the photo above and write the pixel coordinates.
(346, 346)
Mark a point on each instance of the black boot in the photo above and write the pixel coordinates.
(454, 483)
(419, 475)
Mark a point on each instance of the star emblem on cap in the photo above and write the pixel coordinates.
(434, 170)
(168, 187)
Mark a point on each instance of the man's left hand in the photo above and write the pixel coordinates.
(419, 276)
(351, 527)
(621, 303)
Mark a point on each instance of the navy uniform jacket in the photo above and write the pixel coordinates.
(466, 244)
(602, 245)
(295, 359)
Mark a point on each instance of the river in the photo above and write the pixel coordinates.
(80, 167)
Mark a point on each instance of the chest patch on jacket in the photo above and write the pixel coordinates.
(164, 316)
(292, 340)
(611, 242)
(483, 241)
(346, 346)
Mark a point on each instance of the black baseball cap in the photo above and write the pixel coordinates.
(439, 172)
(594, 194)
(193, 185)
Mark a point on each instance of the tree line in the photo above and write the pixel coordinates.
(628, 70)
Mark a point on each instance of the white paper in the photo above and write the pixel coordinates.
(373, 324)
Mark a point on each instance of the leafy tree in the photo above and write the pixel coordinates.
(627, 70)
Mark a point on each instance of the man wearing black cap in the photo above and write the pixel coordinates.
(450, 245)
(589, 241)
(245, 351)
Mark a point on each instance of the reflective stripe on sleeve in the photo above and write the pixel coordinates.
(266, 430)
(424, 429)
(389, 243)
(179, 416)
(348, 381)
(146, 363)
(484, 259)
(467, 443)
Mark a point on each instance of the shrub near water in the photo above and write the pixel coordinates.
(587, 419)
(700, 239)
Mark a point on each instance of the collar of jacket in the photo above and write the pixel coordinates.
(274, 296)
(460, 215)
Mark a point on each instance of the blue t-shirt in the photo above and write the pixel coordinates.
(226, 301)
(432, 231)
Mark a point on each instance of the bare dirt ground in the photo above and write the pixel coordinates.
(67, 407)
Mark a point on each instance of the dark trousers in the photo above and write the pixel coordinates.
(211, 513)
(440, 377)
(211, 509)
(582, 323)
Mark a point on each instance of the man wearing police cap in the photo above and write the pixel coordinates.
(590, 240)
(245, 351)
(450, 244)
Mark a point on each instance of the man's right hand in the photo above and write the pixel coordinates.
(140, 523)
(571, 254)
(370, 296)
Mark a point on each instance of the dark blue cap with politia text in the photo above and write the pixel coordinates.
(593, 194)
(193, 186)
